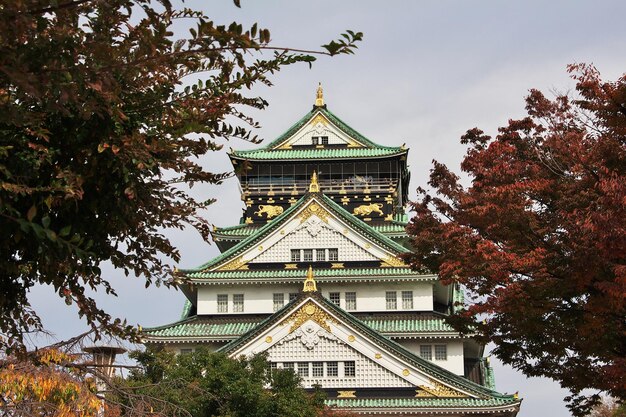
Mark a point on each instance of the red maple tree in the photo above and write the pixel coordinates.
(539, 237)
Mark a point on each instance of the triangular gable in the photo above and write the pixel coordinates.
(317, 126)
(312, 208)
(311, 316)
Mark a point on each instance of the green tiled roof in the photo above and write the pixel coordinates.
(333, 207)
(322, 275)
(199, 327)
(244, 230)
(194, 327)
(370, 148)
(420, 402)
(322, 153)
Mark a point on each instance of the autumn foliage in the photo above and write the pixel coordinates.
(539, 237)
(104, 113)
(47, 385)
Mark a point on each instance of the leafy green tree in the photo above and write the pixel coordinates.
(539, 237)
(104, 113)
(204, 384)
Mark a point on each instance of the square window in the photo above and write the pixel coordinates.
(222, 303)
(426, 352)
(293, 296)
(307, 255)
(350, 301)
(332, 369)
(295, 255)
(391, 300)
(318, 369)
(315, 140)
(324, 140)
(334, 298)
(279, 300)
(288, 365)
(333, 254)
(441, 352)
(407, 300)
(303, 369)
(320, 254)
(349, 369)
(238, 303)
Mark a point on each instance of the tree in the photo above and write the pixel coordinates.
(539, 237)
(103, 114)
(608, 408)
(46, 385)
(210, 384)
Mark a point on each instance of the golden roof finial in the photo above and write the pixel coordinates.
(319, 100)
(314, 187)
(309, 282)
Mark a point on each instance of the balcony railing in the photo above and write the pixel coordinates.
(326, 186)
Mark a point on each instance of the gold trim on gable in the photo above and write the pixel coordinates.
(439, 391)
(309, 311)
(235, 264)
(313, 209)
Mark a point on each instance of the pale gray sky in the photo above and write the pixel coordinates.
(425, 73)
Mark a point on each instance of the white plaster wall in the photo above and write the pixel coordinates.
(258, 299)
(368, 373)
(371, 296)
(454, 363)
(326, 238)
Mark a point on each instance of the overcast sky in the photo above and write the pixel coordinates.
(425, 73)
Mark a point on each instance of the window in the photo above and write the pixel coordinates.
(426, 352)
(350, 301)
(333, 254)
(293, 296)
(441, 352)
(295, 255)
(407, 300)
(303, 369)
(349, 369)
(279, 301)
(185, 351)
(318, 369)
(288, 365)
(320, 254)
(273, 365)
(238, 303)
(332, 369)
(308, 255)
(222, 303)
(324, 140)
(315, 140)
(334, 298)
(391, 300)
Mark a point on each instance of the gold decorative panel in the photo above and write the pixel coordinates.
(392, 261)
(313, 209)
(309, 311)
(269, 211)
(237, 263)
(346, 394)
(438, 391)
(367, 209)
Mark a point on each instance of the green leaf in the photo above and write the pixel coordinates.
(45, 221)
(32, 212)
(65, 231)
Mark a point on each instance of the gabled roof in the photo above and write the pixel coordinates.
(361, 147)
(204, 328)
(325, 204)
(428, 368)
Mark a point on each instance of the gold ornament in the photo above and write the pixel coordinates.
(367, 209)
(310, 311)
(309, 282)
